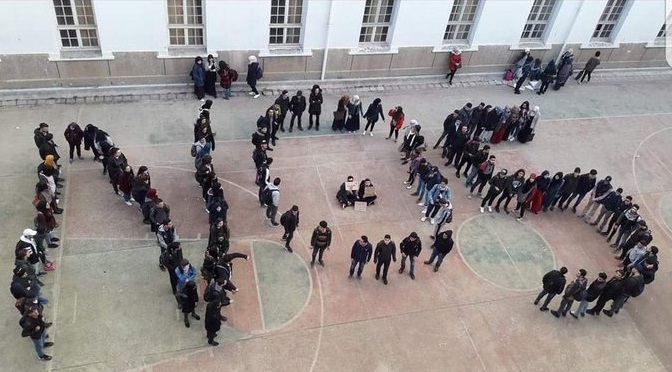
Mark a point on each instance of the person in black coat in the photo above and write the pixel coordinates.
(360, 254)
(290, 221)
(449, 129)
(213, 321)
(611, 291)
(189, 299)
(116, 162)
(283, 103)
(410, 248)
(385, 252)
(315, 107)
(297, 106)
(443, 244)
(585, 184)
(253, 72)
(35, 327)
(373, 112)
(591, 294)
(457, 147)
(553, 283)
(74, 135)
(171, 259)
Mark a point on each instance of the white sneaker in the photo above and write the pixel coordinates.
(489, 209)
(469, 196)
(431, 221)
(406, 182)
(364, 133)
(132, 199)
(371, 134)
(423, 219)
(481, 209)
(256, 96)
(128, 202)
(423, 211)
(250, 93)
(409, 187)
(421, 204)
(519, 219)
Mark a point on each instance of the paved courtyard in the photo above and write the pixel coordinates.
(113, 310)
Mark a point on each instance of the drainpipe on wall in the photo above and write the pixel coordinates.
(571, 28)
(326, 43)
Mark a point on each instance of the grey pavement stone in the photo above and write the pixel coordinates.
(63, 100)
(21, 102)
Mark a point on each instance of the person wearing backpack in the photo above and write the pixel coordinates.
(170, 259)
(633, 286)
(552, 283)
(226, 77)
(290, 221)
(198, 75)
(271, 198)
(574, 292)
(591, 294)
(254, 73)
(297, 105)
(165, 235)
(263, 177)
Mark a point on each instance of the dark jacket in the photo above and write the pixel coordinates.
(24, 287)
(464, 115)
(213, 319)
(554, 282)
(612, 289)
(259, 157)
(449, 123)
(410, 248)
(188, 298)
(315, 103)
(498, 183)
(570, 184)
(283, 102)
(480, 157)
(289, 221)
(385, 252)
(444, 245)
(373, 112)
(594, 290)
(476, 116)
(298, 104)
(198, 74)
(361, 253)
(601, 188)
(74, 136)
(252, 71)
(321, 239)
(585, 183)
(32, 327)
(491, 119)
(115, 166)
(470, 149)
(460, 141)
(612, 201)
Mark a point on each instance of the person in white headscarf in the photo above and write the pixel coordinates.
(254, 73)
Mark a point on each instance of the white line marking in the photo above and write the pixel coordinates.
(256, 278)
(473, 344)
(520, 274)
(74, 310)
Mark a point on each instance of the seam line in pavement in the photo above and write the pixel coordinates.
(256, 279)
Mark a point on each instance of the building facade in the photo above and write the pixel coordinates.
(53, 43)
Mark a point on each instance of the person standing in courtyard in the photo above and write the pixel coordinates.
(445, 216)
(553, 192)
(553, 283)
(226, 77)
(188, 297)
(386, 252)
(410, 248)
(211, 77)
(547, 77)
(443, 244)
(74, 136)
(263, 178)
(35, 327)
(213, 321)
(373, 112)
(315, 107)
(253, 74)
(297, 105)
(397, 118)
(198, 76)
(612, 289)
(455, 63)
(290, 221)
(271, 198)
(341, 114)
(170, 259)
(360, 254)
(319, 242)
(283, 103)
(354, 112)
(600, 192)
(588, 69)
(497, 185)
(574, 292)
(585, 185)
(524, 196)
(165, 235)
(592, 293)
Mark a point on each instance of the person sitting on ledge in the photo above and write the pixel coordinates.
(347, 194)
(367, 192)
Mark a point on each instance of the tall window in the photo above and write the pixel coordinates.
(461, 20)
(185, 22)
(285, 22)
(76, 23)
(376, 21)
(609, 19)
(538, 20)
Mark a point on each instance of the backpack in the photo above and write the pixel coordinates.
(638, 291)
(508, 75)
(211, 293)
(233, 75)
(267, 196)
(193, 151)
(260, 72)
(165, 258)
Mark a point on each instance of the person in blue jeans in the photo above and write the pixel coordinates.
(440, 249)
(553, 283)
(592, 293)
(360, 255)
(410, 248)
(35, 327)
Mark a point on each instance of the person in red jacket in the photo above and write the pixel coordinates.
(455, 63)
(396, 121)
(125, 182)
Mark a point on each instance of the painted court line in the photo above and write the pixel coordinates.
(473, 344)
(520, 274)
(256, 278)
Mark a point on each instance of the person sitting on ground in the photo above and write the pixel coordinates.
(367, 192)
(347, 193)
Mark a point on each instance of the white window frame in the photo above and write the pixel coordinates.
(186, 26)
(456, 19)
(538, 21)
(383, 28)
(284, 26)
(76, 31)
(609, 20)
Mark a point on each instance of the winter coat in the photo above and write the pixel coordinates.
(455, 61)
(290, 221)
(213, 317)
(385, 252)
(315, 103)
(189, 298)
(361, 253)
(602, 188)
(525, 193)
(443, 245)
(575, 289)
(252, 71)
(125, 181)
(498, 184)
(74, 136)
(592, 63)
(465, 115)
(410, 248)
(298, 104)
(570, 184)
(396, 121)
(553, 282)
(115, 166)
(283, 103)
(438, 193)
(319, 239)
(225, 77)
(165, 237)
(612, 201)
(198, 74)
(594, 290)
(33, 327)
(184, 276)
(373, 112)
(585, 184)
